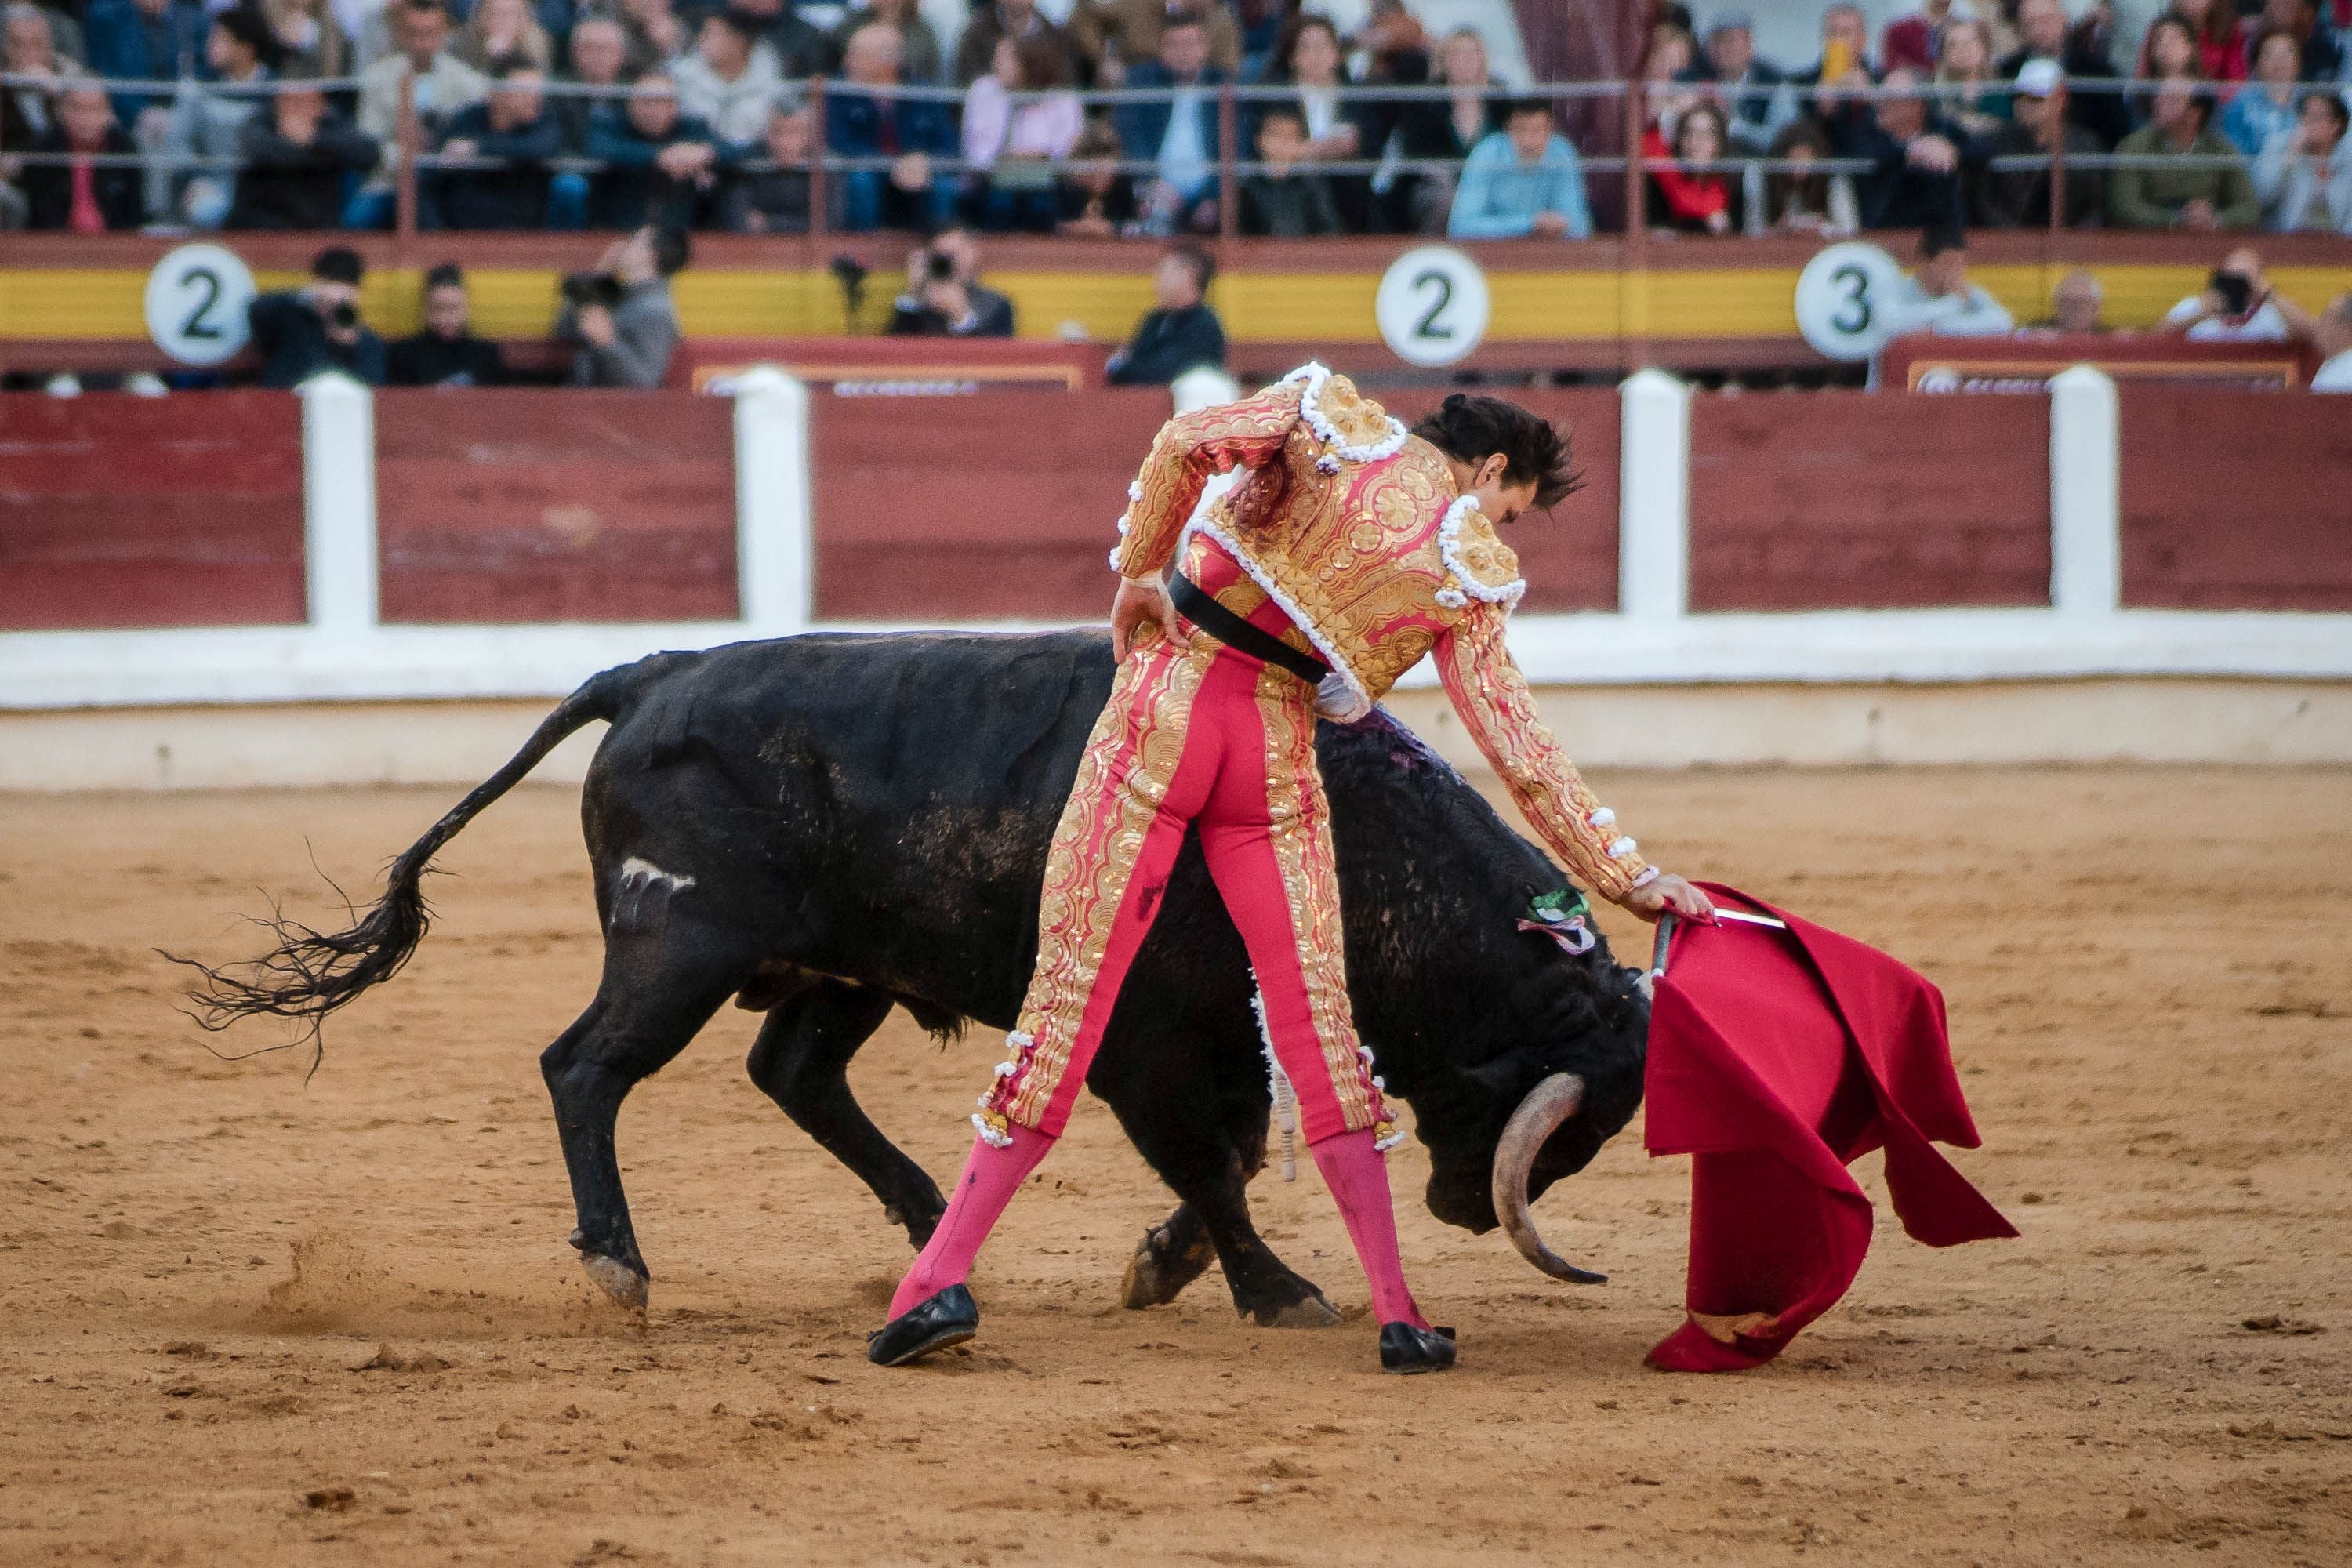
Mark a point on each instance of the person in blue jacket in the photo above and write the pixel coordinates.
(911, 191)
(1523, 181)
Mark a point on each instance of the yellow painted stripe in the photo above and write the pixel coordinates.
(104, 304)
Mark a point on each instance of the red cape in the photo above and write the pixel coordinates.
(1777, 1058)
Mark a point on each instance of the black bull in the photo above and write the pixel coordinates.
(824, 826)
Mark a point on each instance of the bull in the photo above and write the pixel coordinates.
(821, 827)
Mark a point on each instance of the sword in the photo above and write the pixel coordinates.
(1666, 923)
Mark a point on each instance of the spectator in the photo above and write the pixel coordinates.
(1667, 67)
(660, 169)
(440, 85)
(145, 40)
(1694, 193)
(1916, 40)
(1524, 180)
(296, 158)
(799, 50)
(2333, 340)
(1092, 198)
(1917, 157)
(2263, 111)
(953, 255)
(83, 197)
(728, 81)
(2236, 307)
(2199, 182)
(28, 48)
(298, 332)
(1181, 333)
(656, 33)
(1178, 137)
(1807, 201)
(2079, 52)
(1307, 60)
(775, 199)
(447, 352)
(500, 29)
(1436, 131)
(2217, 48)
(1118, 36)
(899, 137)
(1755, 93)
(1009, 153)
(310, 41)
(207, 117)
(2169, 53)
(2077, 302)
(598, 50)
(1019, 21)
(2020, 198)
(1938, 298)
(513, 133)
(2306, 184)
(2323, 57)
(1967, 86)
(1845, 63)
(1287, 198)
(622, 320)
(922, 63)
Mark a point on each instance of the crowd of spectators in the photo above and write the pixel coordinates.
(613, 114)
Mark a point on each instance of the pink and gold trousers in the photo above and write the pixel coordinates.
(1212, 737)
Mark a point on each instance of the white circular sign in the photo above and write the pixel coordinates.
(196, 298)
(1845, 300)
(1432, 307)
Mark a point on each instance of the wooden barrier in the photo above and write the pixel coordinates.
(119, 512)
(2236, 502)
(517, 506)
(1856, 501)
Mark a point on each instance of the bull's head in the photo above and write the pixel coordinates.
(1540, 1108)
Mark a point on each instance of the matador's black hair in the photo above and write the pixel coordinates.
(1534, 450)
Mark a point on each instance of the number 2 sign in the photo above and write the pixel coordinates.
(1431, 305)
(196, 298)
(1846, 301)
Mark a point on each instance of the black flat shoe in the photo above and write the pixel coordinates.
(1406, 1350)
(947, 1319)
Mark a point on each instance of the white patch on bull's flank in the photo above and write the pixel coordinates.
(633, 868)
(624, 1284)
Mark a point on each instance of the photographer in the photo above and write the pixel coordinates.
(299, 332)
(621, 316)
(945, 297)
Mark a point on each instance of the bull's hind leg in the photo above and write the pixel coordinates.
(660, 987)
(802, 1061)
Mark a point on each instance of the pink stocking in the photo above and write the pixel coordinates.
(990, 1176)
(1358, 1178)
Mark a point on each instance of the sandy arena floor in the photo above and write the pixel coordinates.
(252, 1321)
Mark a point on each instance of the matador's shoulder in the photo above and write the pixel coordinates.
(1478, 564)
(1351, 427)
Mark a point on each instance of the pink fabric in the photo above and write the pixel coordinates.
(990, 1176)
(1358, 1175)
(1777, 1059)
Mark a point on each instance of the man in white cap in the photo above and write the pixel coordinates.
(2038, 127)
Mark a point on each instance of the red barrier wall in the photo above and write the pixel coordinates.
(2236, 501)
(119, 512)
(1855, 501)
(1005, 506)
(520, 506)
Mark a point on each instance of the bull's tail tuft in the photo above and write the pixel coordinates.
(308, 973)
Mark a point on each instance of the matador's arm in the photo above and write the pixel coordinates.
(1492, 696)
(1191, 448)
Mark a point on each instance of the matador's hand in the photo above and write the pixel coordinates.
(1143, 601)
(1667, 891)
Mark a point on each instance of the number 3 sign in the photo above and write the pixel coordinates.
(1432, 307)
(1845, 300)
(196, 304)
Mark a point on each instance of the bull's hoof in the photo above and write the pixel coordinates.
(1155, 1277)
(1314, 1312)
(625, 1286)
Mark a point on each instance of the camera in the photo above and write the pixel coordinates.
(937, 268)
(343, 315)
(584, 289)
(2237, 292)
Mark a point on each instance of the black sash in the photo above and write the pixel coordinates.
(1195, 604)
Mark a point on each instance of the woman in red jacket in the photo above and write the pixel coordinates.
(1695, 193)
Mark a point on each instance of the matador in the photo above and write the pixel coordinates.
(1347, 548)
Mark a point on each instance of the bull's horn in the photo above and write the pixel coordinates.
(1546, 1107)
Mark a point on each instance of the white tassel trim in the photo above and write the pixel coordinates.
(988, 1134)
(1621, 846)
(1601, 819)
(1135, 489)
(1460, 581)
(1314, 375)
(1359, 701)
(1380, 1145)
(1648, 876)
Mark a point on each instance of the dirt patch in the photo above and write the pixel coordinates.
(251, 1321)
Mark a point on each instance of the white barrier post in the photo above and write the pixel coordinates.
(339, 542)
(774, 517)
(2086, 494)
(1654, 497)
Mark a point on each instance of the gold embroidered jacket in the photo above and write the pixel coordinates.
(1356, 529)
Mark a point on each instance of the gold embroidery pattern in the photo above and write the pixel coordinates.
(1188, 449)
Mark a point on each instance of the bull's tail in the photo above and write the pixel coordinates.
(310, 973)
